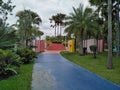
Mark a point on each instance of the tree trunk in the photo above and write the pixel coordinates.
(60, 30)
(75, 44)
(98, 48)
(109, 62)
(81, 45)
(118, 32)
(55, 29)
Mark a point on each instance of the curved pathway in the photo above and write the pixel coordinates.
(53, 72)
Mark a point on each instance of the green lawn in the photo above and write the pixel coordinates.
(19, 82)
(97, 66)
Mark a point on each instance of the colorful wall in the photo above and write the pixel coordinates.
(40, 45)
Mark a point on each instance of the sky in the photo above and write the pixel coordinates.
(45, 9)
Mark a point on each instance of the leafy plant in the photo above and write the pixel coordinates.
(9, 63)
(26, 55)
(93, 48)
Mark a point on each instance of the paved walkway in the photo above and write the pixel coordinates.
(53, 72)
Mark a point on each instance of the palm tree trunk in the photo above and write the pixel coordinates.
(55, 30)
(118, 32)
(109, 62)
(81, 44)
(60, 30)
(75, 44)
(98, 48)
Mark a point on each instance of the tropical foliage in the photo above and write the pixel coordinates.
(9, 63)
(7, 36)
(23, 32)
(79, 23)
(27, 26)
(26, 55)
(101, 9)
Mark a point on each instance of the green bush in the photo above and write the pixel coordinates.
(57, 41)
(93, 48)
(26, 55)
(9, 63)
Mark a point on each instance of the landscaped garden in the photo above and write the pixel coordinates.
(16, 41)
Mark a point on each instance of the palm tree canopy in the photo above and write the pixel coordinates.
(58, 18)
(80, 19)
(35, 19)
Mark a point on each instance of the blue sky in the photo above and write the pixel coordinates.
(45, 9)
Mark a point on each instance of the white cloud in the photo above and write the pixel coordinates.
(45, 9)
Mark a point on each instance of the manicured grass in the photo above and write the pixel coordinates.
(97, 65)
(19, 82)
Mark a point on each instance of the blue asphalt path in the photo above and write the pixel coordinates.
(53, 72)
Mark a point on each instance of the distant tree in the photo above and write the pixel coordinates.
(58, 20)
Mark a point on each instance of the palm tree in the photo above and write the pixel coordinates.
(58, 19)
(80, 21)
(102, 5)
(54, 18)
(26, 22)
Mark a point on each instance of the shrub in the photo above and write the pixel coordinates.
(57, 41)
(9, 63)
(93, 48)
(26, 55)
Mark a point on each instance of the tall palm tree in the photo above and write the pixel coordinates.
(58, 19)
(107, 15)
(27, 20)
(60, 22)
(80, 21)
(54, 18)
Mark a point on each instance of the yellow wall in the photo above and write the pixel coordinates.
(71, 45)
